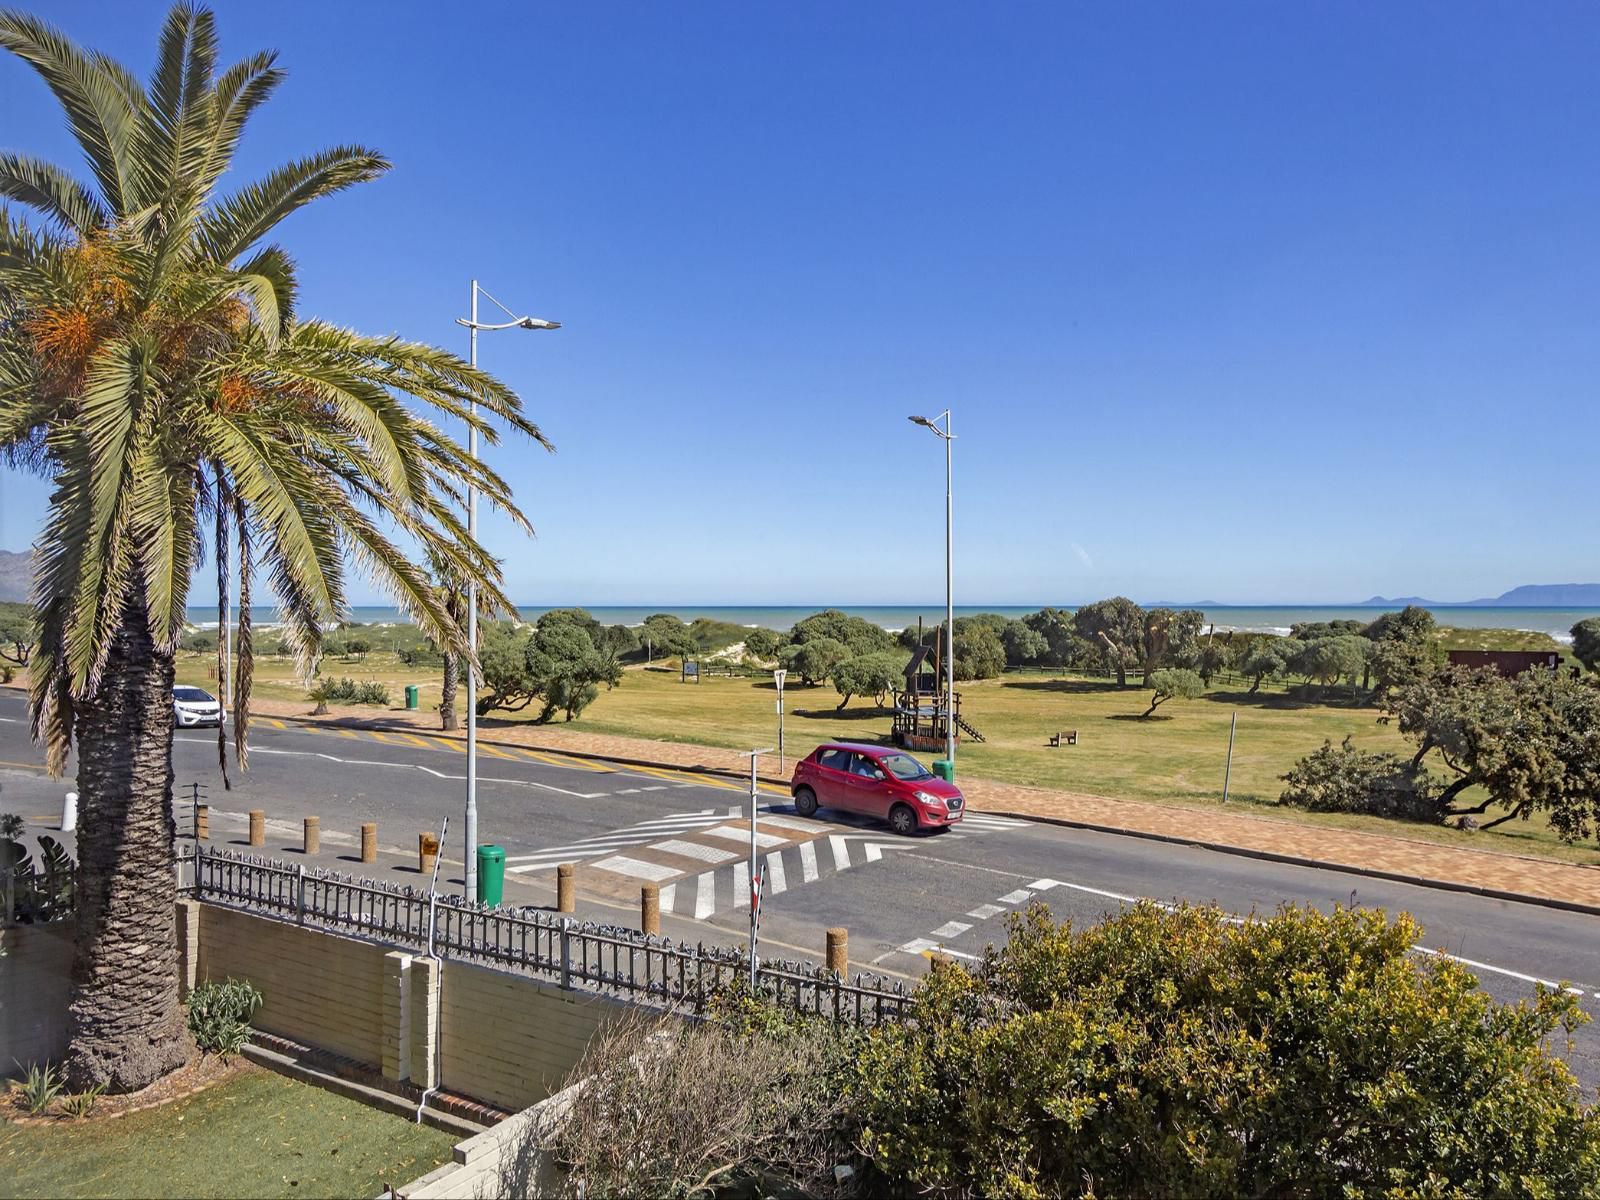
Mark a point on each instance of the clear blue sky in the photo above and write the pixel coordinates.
(1247, 302)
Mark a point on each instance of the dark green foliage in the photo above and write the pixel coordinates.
(1586, 642)
(874, 675)
(43, 888)
(1310, 631)
(980, 654)
(351, 691)
(761, 644)
(1115, 627)
(198, 642)
(710, 636)
(1174, 1053)
(1267, 657)
(1173, 683)
(1171, 638)
(664, 636)
(1532, 743)
(616, 640)
(856, 634)
(814, 660)
(566, 669)
(40, 1087)
(219, 1015)
(16, 633)
(1064, 645)
(1211, 659)
(1025, 646)
(1330, 659)
(503, 661)
(1345, 779)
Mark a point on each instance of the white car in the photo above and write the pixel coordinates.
(192, 706)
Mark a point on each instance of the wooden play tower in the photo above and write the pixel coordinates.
(924, 705)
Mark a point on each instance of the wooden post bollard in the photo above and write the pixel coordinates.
(311, 840)
(839, 951)
(650, 908)
(202, 822)
(565, 900)
(258, 827)
(369, 841)
(427, 852)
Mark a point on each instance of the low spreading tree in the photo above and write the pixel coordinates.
(1063, 644)
(16, 634)
(815, 660)
(1586, 642)
(1117, 628)
(761, 645)
(1025, 646)
(875, 675)
(1183, 1053)
(980, 654)
(1327, 660)
(1173, 683)
(565, 667)
(503, 668)
(1345, 779)
(665, 636)
(856, 634)
(1266, 658)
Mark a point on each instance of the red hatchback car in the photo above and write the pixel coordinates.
(875, 782)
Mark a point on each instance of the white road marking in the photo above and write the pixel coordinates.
(808, 862)
(705, 895)
(710, 854)
(743, 835)
(776, 882)
(984, 911)
(622, 865)
(1016, 897)
(741, 885)
(669, 897)
(951, 929)
(1483, 966)
(657, 787)
(800, 823)
(918, 945)
(841, 853)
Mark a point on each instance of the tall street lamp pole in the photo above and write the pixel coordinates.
(949, 593)
(471, 832)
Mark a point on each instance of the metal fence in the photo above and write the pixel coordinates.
(604, 958)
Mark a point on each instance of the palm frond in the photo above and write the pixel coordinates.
(237, 223)
(47, 189)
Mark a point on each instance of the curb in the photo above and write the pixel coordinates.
(1445, 885)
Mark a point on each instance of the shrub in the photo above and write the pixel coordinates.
(219, 1015)
(1173, 1053)
(1345, 779)
(41, 1086)
(82, 1103)
(350, 691)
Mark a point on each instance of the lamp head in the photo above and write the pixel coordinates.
(924, 422)
(536, 323)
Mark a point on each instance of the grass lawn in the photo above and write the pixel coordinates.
(1176, 757)
(255, 1134)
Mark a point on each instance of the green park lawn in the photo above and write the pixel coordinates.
(1176, 757)
(254, 1134)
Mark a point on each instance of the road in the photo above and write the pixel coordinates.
(900, 898)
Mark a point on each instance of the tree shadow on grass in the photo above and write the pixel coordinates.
(836, 714)
(1070, 687)
(1153, 717)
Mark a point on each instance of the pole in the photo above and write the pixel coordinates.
(1227, 775)
(949, 601)
(753, 755)
(471, 832)
(778, 678)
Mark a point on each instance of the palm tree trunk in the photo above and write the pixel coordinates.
(447, 694)
(125, 1026)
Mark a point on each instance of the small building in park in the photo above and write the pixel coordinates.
(1508, 663)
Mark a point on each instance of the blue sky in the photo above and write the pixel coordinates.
(1245, 302)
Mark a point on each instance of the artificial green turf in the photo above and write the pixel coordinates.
(256, 1134)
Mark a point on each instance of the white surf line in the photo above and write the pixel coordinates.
(705, 895)
(808, 862)
(776, 882)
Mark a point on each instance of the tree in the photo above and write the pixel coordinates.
(665, 636)
(16, 634)
(1405, 648)
(1060, 632)
(1310, 631)
(616, 640)
(1024, 645)
(857, 634)
(564, 667)
(1189, 1053)
(1330, 659)
(1171, 683)
(508, 684)
(1586, 642)
(979, 652)
(815, 660)
(1170, 638)
(1345, 779)
(1117, 626)
(1267, 657)
(874, 675)
(153, 365)
(452, 596)
(1532, 743)
(1211, 659)
(761, 645)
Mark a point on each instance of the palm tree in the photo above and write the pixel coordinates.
(152, 364)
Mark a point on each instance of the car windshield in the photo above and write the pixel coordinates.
(192, 695)
(903, 766)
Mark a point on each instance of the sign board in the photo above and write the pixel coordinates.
(691, 670)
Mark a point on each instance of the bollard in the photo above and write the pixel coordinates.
(565, 901)
(202, 822)
(650, 908)
(69, 812)
(311, 841)
(839, 951)
(369, 841)
(258, 827)
(427, 852)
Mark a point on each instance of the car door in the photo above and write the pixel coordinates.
(864, 787)
(833, 768)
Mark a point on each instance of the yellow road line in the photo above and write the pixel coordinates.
(494, 751)
(688, 777)
(272, 721)
(450, 744)
(405, 739)
(564, 761)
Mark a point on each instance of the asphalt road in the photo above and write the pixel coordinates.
(900, 898)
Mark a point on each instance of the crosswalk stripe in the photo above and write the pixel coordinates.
(984, 911)
(710, 854)
(775, 881)
(741, 885)
(808, 862)
(669, 897)
(705, 895)
(1016, 897)
(951, 929)
(638, 868)
(841, 852)
(743, 835)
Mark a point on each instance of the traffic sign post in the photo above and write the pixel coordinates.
(755, 877)
(778, 678)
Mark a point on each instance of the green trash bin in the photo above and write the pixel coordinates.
(491, 874)
(944, 769)
(413, 693)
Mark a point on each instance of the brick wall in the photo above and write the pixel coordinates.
(35, 981)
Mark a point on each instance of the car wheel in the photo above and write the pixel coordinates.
(805, 802)
(902, 820)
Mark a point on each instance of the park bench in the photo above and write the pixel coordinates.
(1067, 737)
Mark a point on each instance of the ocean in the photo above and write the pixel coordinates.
(1251, 618)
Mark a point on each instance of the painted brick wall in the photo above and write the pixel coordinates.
(35, 981)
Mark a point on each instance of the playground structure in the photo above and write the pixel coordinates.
(922, 708)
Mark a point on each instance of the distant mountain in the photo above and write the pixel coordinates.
(16, 574)
(1529, 595)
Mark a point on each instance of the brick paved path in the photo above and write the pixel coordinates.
(1486, 870)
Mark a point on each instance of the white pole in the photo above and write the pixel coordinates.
(753, 876)
(1227, 775)
(778, 677)
(69, 812)
(949, 600)
(472, 635)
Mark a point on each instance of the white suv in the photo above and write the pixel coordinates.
(192, 706)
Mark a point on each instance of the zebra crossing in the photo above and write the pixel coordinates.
(700, 859)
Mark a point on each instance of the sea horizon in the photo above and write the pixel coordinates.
(1244, 618)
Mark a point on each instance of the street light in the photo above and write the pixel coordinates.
(473, 326)
(778, 677)
(949, 595)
